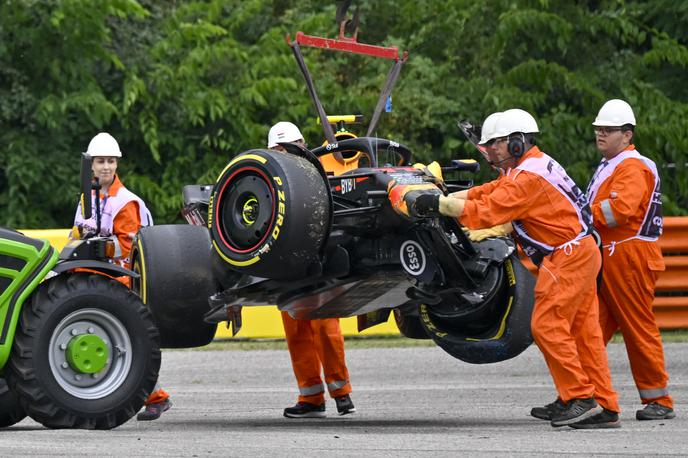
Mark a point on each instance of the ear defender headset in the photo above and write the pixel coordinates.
(517, 145)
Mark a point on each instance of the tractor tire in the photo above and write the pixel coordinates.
(269, 215)
(409, 325)
(176, 279)
(85, 353)
(508, 336)
(11, 411)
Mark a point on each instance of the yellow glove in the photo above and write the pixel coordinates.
(433, 170)
(477, 235)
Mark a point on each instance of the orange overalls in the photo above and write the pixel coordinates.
(630, 269)
(565, 323)
(317, 346)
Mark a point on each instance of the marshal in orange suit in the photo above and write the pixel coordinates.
(626, 203)
(316, 347)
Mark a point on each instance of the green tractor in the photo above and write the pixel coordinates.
(78, 349)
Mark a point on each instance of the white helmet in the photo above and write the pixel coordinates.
(511, 121)
(615, 112)
(488, 127)
(103, 144)
(283, 132)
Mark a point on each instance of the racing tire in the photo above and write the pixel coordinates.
(409, 325)
(508, 337)
(85, 354)
(269, 215)
(176, 280)
(11, 411)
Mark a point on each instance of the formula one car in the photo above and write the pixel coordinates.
(279, 230)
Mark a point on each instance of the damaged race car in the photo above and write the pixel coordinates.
(280, 231)
(276, 228)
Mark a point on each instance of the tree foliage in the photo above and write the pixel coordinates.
(185, 85)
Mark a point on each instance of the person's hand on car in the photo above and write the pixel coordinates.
(414, 200)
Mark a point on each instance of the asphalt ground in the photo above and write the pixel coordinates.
(413, 401)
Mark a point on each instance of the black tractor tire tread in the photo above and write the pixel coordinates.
(11, 411)
(35, 399)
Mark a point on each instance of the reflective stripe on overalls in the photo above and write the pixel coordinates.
(651, 228)
(316, 389)
(311, 390)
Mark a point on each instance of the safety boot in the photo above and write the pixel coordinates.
(655, 411)
(576, 410)
(603, 420)
(305, 410)
(154, 410)
(344, 405)
(548, 411)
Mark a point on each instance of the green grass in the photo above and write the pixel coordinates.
(351, 342)
(675, 335)
(378, 342)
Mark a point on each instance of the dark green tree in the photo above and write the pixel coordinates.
(185, 85)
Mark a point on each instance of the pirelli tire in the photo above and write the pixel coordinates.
(409, 325)
(11, 411)
(269, 215)
(85, 354)
(509, 336)
(176, 279)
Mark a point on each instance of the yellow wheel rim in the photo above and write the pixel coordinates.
(249, 211)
